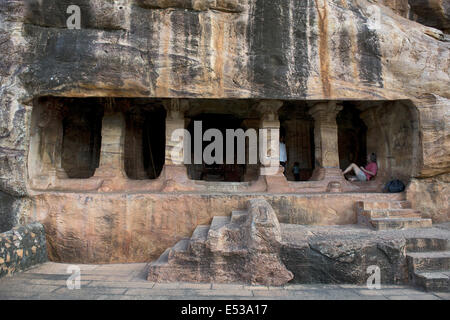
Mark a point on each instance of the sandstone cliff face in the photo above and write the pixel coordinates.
(284, 49)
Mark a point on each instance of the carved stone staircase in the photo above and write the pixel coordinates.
(390, 214)
(429, 263)
(241, 248)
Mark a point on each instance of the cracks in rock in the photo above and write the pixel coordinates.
(338, 258)
(44, 26)
(190, 7)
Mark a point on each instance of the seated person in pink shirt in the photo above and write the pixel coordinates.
(364, 173)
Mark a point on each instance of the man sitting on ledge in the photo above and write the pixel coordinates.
(364, 173)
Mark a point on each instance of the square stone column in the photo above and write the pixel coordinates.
(326, 141)
(175, 121)
(272, 171)
(175, 170)
(112, 162)
(52, 132)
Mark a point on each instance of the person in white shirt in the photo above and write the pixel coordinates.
(283, 154)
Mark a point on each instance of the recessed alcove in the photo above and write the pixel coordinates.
(145, 140)
(82, 123)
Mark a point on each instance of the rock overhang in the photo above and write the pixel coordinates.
(301, 50)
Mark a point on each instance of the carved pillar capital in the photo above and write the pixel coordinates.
(325, 112)
(269, 109)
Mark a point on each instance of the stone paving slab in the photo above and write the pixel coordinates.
(128, 282)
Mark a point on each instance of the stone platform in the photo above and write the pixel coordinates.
(128, 282)
(342, 254)
(138, 227)
(252, 247)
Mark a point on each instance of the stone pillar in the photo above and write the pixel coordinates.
(175, 171)
(52, 132)
(174, 121)
(112, 162)
(272, 171)
(326, 141)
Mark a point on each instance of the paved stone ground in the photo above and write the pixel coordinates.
(127, 281)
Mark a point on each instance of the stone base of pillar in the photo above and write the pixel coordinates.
(332, 178)
(176, 179)
(320, 174)
(277, 183)
(59, 173)
(113, 179)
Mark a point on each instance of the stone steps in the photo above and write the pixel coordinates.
(429, 270)
(426, 244)
(390, 214)
(238, 216)
(433, 281)
(198, 240)
(227, 251)
(400, 223)
(429, 261)
(386, 204)
(189, 248)
(186, 255)
(218, 222)
(163, 259)
(179, 250)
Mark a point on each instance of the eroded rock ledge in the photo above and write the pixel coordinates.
(342, 254)
(198, 5)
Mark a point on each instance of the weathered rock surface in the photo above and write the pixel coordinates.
(13, 211)
(7, 218)
(433, 13)
(21, 248)
(432, 197)
(243, 248)
(139, 227)
(314, 254)
(342, 254)
(259, 49)
(213, 49)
